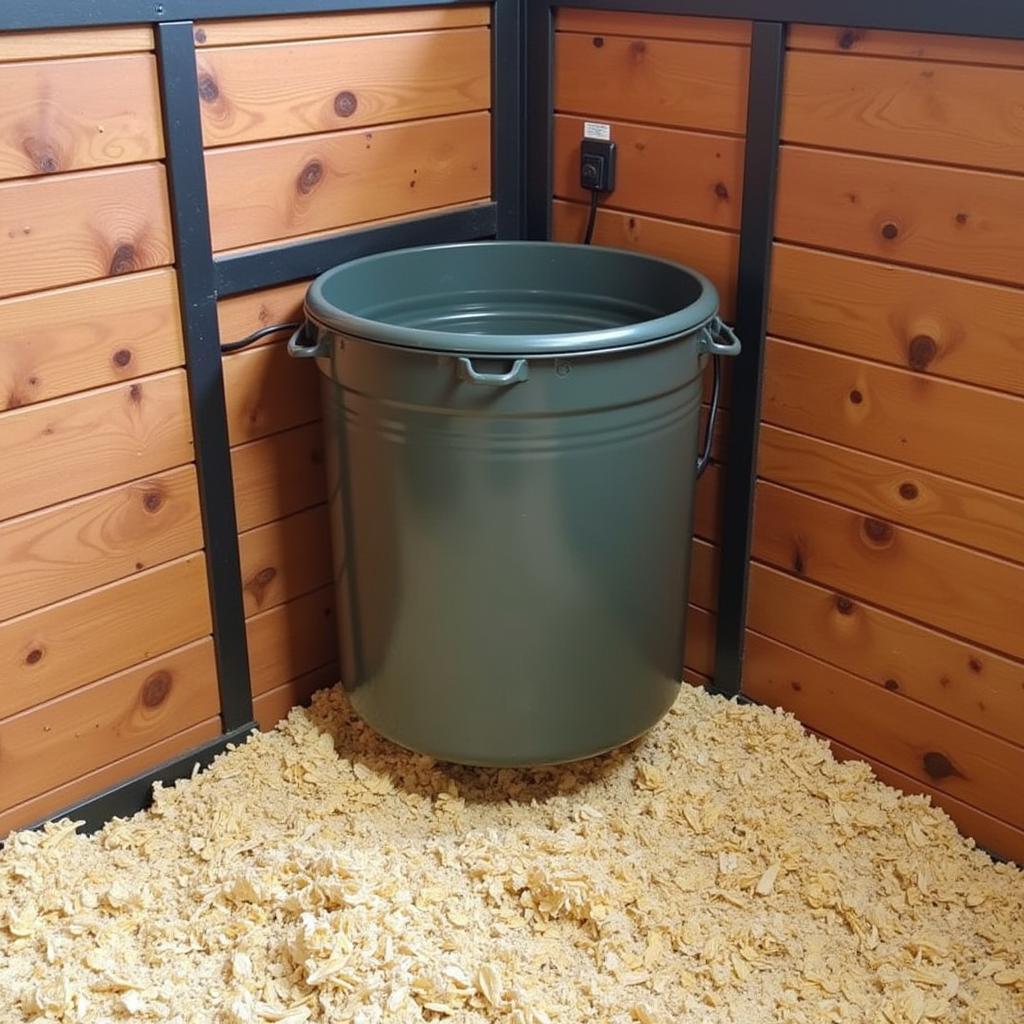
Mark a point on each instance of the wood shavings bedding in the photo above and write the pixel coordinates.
(723, 869)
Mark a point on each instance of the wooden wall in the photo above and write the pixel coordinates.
(887, 589)
(674, 91)
(312, 125)
(106, 660)
(887, 593)
(296, 146)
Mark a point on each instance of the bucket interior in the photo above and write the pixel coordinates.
(513, 289)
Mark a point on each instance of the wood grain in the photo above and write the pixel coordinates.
(927, 322)
(661, 171)
(704, 574)
(278, 475)
(240, 315)
(707, 504)
(270, 707)
(964, 762)
(67, 115)
(950, 113)
(957, 678)
(285, 559)
(60, 799)
(265, 191)
(266, 390)
(699, 652)
(714, 253)
(991, 833)
(249, 93)
(70, 446)
(950, 428)
(652, 26)
(66, 549)
(56, 649)
(656, 81)
(57, 742)
(291, 639)
(970, 515)
(348, 23)
(74, 42)
(72, 339)
(916, 45)
(83, 226)
(943, 218)
(967, 593)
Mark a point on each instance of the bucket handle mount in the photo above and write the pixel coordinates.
(466, 371)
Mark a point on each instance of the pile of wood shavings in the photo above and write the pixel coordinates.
(724, 868)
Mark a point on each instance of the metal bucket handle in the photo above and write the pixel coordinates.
(709, 343)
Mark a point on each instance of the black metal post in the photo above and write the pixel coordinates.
(540, 113)
(508, 128)
(190, 217)
(764, 105)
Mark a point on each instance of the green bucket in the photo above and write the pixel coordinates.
(511, 444)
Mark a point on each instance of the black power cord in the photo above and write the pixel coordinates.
(249, 339)
(588, 236)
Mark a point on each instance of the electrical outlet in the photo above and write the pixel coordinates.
(597, 165)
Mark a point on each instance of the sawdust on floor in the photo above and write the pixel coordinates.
(724, 868)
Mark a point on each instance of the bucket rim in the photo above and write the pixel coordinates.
(325, 315)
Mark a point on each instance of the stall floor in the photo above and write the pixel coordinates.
(724, 868)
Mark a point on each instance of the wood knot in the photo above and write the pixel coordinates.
(598, 41)
(798, 561)
(974, 664)
(156, 688)
(209, 91)
(34, 656)
(921, 351)
(908, 491)
(637, 49)
(796, 685)
(961, 218)
(259, 582)
(889, 230)
(199, 35)
(122, 357)
(135, 393)
(46, 162)
(123, 260)
(309, 177)
(153, 499)
(856, 397)
(891, 684)
(345, 103)
(878, 531)
(844, 605)
(848, 38)
(720, 190)
(938, 766)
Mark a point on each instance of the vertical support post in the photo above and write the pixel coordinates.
(540, 114)
(190, 218)
(508, 127)
(764, 105)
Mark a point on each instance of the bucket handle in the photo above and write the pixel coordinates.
(465, 371)
(709, 339)
(301, 351)
(708, 342)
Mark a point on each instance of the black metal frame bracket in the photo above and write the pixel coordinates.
(190, 218)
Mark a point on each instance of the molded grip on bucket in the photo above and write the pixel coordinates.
(519, 372)
(708, 340)
(300, 351)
